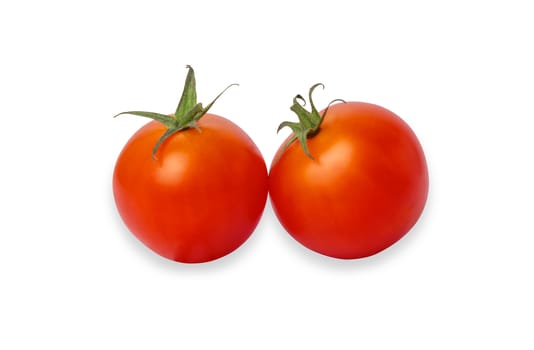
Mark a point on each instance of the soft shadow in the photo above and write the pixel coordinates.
(390, 255)
(152, 258)
(269, 222)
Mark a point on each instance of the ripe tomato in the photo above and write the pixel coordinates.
(362, 186)
(199, 195)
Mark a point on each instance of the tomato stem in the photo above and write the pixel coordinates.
(187, 114)
(309, 121)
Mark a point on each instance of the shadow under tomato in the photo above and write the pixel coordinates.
(269, 222)
(385, 257)
(131, 242)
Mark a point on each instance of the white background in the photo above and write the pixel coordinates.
(459, 72)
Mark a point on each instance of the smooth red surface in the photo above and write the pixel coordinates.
(203, 195)
(365, 189)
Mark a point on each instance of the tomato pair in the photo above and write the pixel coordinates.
(192, 186)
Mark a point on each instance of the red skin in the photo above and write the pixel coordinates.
(365, 189)
(203, 195)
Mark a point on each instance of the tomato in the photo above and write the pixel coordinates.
(199, 194)
(358, 184)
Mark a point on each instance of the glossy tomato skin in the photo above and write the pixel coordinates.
(203, 195)
(365, 188)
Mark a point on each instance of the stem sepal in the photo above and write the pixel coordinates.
(188, 112)
(309, 121)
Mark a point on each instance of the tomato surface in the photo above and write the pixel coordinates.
(200, 197)
(364, 189)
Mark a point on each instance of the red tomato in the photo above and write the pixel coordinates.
(364, 189)
(202, 194)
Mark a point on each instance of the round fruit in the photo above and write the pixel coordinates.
(356, 186)
(191, 186)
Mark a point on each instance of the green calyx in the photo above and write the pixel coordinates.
(187, 114)
(309, 121)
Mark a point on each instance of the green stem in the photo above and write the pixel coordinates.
(187, 114)
(309, 121)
